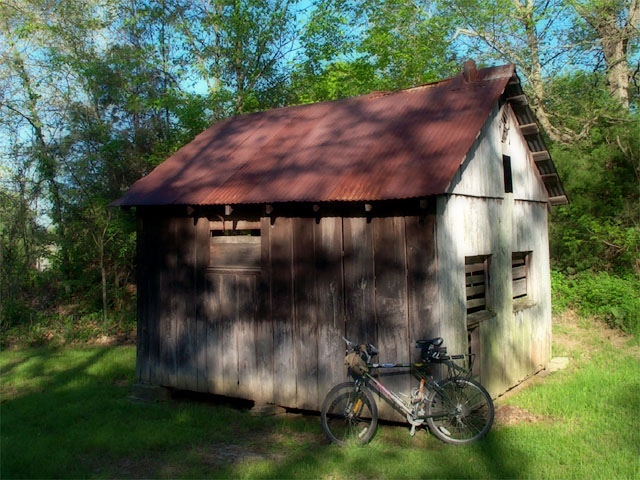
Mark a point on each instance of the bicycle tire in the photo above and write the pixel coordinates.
(349, 416)
(468, 411)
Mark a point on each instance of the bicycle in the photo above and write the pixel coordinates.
(457, 409)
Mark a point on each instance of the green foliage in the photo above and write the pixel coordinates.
(354, 48)
(610, 298)
(23, 246)
(600, 229)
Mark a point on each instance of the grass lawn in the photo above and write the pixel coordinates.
(65, 413)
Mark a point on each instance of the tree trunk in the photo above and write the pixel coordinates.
(614, 35)
(526, 14)
(615, 56)
(103, 275)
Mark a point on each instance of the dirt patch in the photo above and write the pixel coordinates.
(121, 382)
(135, 468)
(256, 447)
(219, 454)
(298, 438)
(513, 415)
(575, 333)
(570, 337)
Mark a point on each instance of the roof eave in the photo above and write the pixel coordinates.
(528, 124)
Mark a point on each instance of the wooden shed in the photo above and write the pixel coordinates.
(384, 218)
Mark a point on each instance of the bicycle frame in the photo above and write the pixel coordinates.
(430, 384)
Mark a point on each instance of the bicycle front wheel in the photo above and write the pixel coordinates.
(460, 411)
(349, 414)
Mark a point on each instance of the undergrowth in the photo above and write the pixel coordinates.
(610, 298)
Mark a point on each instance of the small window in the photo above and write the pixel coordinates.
(520, 273)
(477, 282)
(235, 249)
(508, 180)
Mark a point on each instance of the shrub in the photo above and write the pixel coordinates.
(613, 299)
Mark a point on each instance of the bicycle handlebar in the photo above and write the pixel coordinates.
(369, 348)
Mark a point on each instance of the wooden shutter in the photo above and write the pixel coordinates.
(476, 279)
(519, 273)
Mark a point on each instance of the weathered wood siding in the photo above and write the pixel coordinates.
(274, 334)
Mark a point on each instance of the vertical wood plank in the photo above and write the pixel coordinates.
(166, 301)
(142, 293)
(214, 342)
(179, 291)
(391, 299)
(184, 315)
(228, 323)
(263, 321)
(305, 332)
(330, 311)
(421, 280)
(171, 323)
(152, 305)
(247, 369)
(284, 376)
(201, 262)
(359, 281)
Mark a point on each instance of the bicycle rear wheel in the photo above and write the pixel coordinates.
(462, 411)
(349, 414)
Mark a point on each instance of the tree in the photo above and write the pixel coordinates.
(240, 50)
(353, 48)
(600, 228)
(612, 25)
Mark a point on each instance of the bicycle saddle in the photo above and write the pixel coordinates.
(436, 342)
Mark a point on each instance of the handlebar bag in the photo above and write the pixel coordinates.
(355, 362)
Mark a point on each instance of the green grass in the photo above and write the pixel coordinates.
(66, 413)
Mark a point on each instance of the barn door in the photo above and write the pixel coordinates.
(230, 306)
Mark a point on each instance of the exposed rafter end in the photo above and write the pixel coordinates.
(529, 129)
(518, 99)
(549, 177)
(542, 155)
(560, 200)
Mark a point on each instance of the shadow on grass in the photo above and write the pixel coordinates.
(489, 458)
(24, 356)
(80, 423)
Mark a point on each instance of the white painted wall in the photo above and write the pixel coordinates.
(481, 173)
(527, 184)
(476, 217)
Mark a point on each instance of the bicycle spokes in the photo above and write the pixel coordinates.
(461, 411)
(349, 416)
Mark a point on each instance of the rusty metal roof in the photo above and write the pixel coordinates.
(379, 146)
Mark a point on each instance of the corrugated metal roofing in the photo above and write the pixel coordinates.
(379, 146)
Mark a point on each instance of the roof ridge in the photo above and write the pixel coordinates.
(350, 149)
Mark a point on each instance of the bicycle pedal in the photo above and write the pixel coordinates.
(413, 430)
